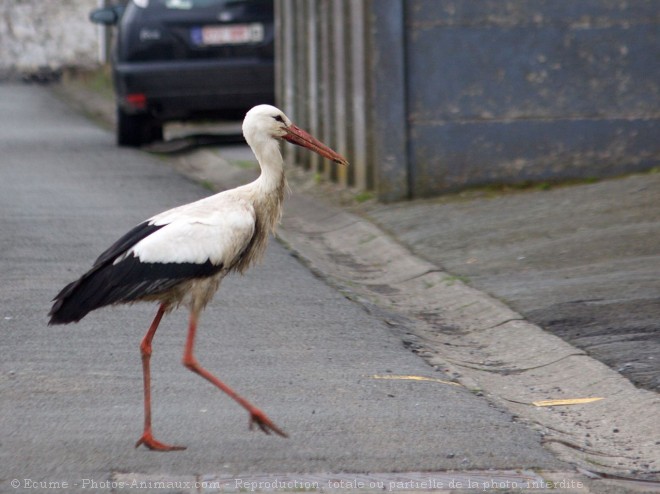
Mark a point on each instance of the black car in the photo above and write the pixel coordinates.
(188, 60)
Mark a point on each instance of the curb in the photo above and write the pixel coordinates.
(487, 346)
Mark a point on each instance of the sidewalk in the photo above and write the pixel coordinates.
(581, 261)
(522, 248)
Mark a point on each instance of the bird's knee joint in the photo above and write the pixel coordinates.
(190, 363)
(145, 349)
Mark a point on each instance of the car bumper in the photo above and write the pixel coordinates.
(194, 89)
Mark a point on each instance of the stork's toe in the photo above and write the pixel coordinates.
(264, 423)
(148, 440)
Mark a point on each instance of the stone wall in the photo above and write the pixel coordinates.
(46, 35)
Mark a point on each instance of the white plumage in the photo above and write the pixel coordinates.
(217, 232)
(181, 255)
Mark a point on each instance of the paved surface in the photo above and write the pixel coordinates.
(71, 395)
(464, 334)
(485, 344)
(481, 342)
(582, 261)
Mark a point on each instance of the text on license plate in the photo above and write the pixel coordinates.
(234, 34)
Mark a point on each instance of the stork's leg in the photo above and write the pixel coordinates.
(256, 416)
(145, 349)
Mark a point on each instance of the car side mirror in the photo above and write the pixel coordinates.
(108, 16)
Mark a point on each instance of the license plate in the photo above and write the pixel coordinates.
(235, 34)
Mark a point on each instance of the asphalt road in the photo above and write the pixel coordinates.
(72, 395)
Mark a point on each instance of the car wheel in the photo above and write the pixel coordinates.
(136, 130)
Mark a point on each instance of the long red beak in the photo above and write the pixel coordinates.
(298, 136)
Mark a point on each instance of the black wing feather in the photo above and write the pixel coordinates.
(126, 281)
(141, 231)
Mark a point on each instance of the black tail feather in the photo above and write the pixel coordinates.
(73, 302)
(63, 311)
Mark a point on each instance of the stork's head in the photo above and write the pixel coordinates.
(265, 122)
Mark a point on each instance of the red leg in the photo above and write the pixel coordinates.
(145, 349)
(256, 416)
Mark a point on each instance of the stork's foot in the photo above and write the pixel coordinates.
(148, 440)
(258, 418)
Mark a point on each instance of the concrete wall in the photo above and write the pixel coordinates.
(426, 96)
(50, 34)
(531, 90)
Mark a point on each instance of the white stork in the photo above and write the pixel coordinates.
(181, 256)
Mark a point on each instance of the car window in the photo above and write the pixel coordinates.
(177, 4)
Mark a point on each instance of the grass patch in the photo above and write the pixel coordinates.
(245, 164)
(207, 184)
(450, 280)
(364, 196)
(530, 185)
(98, 80)
(101, 82)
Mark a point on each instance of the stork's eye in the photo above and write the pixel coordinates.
(279, 118)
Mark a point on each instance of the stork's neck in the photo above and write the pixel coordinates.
(266, 194)
(270, 160)
(268, 190)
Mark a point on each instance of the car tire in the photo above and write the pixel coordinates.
(137, 130)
